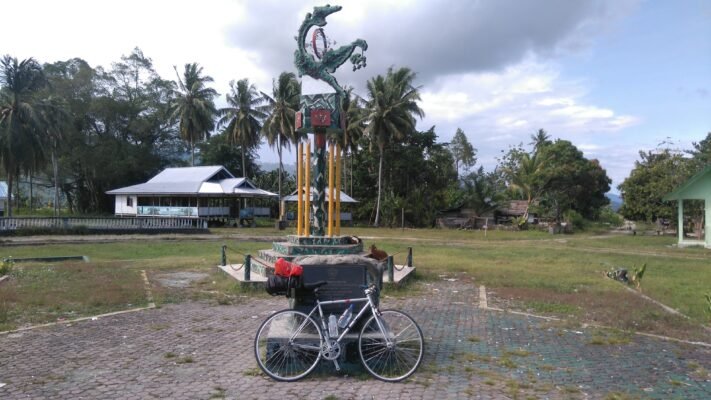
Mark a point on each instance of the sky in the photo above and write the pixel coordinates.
(612, 76)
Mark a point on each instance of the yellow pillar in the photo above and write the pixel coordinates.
(338, 189)
(299, 204)
(330, 190)
(307, 190)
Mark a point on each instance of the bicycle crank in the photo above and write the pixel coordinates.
(331, 351)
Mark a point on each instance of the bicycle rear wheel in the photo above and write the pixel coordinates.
(397, 357)
(288, 345)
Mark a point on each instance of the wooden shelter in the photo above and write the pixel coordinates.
(698, 187)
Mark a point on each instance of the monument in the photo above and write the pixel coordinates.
(318, 245)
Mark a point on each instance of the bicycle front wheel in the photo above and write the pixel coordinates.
(392, 349)
(288, 345)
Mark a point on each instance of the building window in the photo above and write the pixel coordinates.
(129, 201)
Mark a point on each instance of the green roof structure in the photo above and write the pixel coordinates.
(698, 187)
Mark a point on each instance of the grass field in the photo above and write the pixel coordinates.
(561, 275)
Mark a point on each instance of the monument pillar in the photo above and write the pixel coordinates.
(319, 208)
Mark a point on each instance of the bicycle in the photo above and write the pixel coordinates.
(289, 344)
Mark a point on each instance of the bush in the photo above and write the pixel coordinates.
(610, 217)
(577, 220)
(6, 266)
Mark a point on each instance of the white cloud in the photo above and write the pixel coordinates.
(520, 99)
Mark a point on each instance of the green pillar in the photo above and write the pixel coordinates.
(247, 268)
(320, 205)
(680, 221)
(707, 232)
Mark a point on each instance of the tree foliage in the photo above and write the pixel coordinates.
(23, 124)
(462, 151)
(656, 174)
(243, 117)
(194, 107)
(102, 129)
(391, 111)
(572, 182)
(278, 126)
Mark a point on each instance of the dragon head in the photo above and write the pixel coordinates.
(318, 17)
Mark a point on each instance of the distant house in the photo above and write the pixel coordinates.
(698, 187)
(513, 209)
(3, 198)
(197, 192)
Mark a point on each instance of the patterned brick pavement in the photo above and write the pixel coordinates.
(202, 351)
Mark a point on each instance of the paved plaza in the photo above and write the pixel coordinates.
(199, 350)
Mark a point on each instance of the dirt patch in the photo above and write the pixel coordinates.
(180, 279)
(615, 309)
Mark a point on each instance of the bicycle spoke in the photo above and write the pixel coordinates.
(401, 357)
(282, 358)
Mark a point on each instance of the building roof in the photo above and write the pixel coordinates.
(206, 180)
(693, 188)
(344, 197)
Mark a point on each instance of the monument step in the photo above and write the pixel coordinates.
(272, 256)
(322, 240)
(262, 266)
(292, 249)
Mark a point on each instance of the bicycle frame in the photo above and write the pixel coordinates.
(324, 328)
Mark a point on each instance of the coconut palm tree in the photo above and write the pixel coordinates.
(21, 122)
(352, 107)
(57, 121)
(243, 117)
(194, 107)
(527, 180)
(390, 114)
(540, 139)
(281, 107)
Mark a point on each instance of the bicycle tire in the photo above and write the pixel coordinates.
(398, 361)
(283, 359)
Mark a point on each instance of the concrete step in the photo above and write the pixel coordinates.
(272, 256)
(321, 240)
(291, 249)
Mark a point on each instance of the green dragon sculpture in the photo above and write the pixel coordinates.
(307, 64)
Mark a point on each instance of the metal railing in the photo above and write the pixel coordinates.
(100, 223)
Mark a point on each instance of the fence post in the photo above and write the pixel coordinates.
(409, 257)
(391, 270)
(247, 267)
(224, 255)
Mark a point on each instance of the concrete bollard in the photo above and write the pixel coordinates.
(247, 268)
(224, 255)
(409, 257)
(391, 269)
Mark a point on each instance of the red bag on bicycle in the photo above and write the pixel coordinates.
(287, 269)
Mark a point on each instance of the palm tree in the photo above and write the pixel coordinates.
(391, 110)
(57, 120)
(527, 180)
(21, 122)
(194, 106)
(540, 139)
(243, 117)
(352, 107)
(278, 127)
